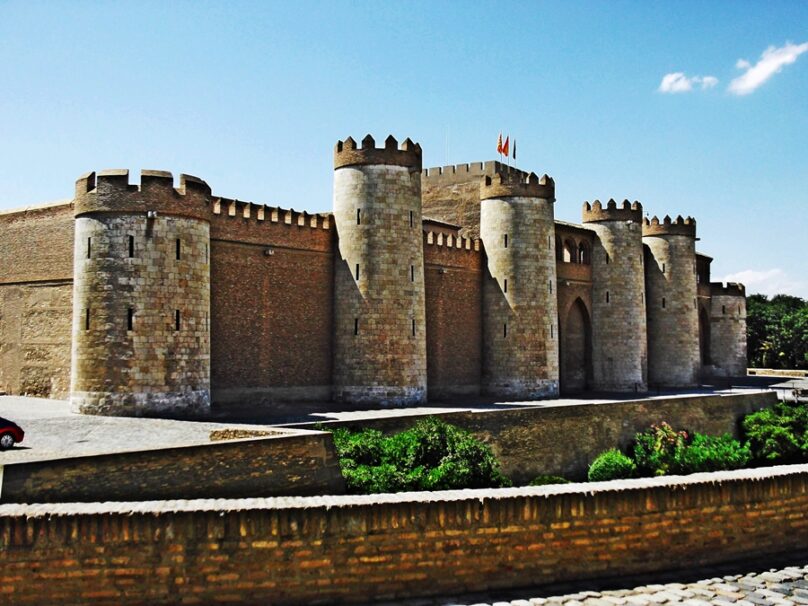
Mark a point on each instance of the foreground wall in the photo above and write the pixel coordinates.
(352, 549)
(565, 439)
(288, 463)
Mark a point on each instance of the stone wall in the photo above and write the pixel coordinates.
(303, 464)
(389, 547)
(674, 359)
(453, 271)
(728, 330)
(520, 314)
(379, 313)
(565, 439)
(619, 338)
(36, 257)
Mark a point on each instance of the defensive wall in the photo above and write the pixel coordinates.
(384, 547)
(268, 332)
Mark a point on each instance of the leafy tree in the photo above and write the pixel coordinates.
(777, 332)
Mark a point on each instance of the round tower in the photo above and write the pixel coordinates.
(520, 305)
(379, 301)
(674, 359)
(619, 349)
(728, 329)
(141, 296)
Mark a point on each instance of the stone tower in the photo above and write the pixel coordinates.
(141, 296)
(674, 359)
(520, 305)
(728, 329)
(379, 307)
(619, 349)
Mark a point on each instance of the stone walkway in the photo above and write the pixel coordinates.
(783, 585)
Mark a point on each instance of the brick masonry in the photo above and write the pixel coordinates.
(355, 549)
(299, 463)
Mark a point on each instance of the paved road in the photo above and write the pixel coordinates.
(759, 585)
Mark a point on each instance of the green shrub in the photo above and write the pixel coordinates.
(432, 455)
(657, 449)
(611, 465)
(544, 480)
(711, 453)
(778, 434)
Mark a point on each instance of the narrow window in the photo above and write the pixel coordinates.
(87, 319)
(506, 240)
(176, 319)
(607, 258)
(505, 331)
(505, 285)
(357, 271)
(663, 268)
(413, 327)
(663, 302)
(207, 253)
(723, 309)
(359, 216)
(89, 247)
(412, 219)
(550, 285)
(739, 310)
(179, 248)
(356, 326)
(412, 273)
(552, 332)
(694, 304)
(131, 246)
(549, 246)
(130, 318)
(607, 296)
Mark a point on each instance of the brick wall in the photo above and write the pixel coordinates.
(355, 549)
(271, 315)
(453, 278)
(298, 463)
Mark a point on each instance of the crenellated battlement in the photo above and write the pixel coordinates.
(627, 211)
(451, 242)
(262, 213)
(111, 191)
(464, 173)
(516, 185)
(667, 227)
(408, 155)
(730, 289)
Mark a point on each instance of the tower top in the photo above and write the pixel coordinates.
(667, 227)
(507, 185)
(595, 212)
(346, 153)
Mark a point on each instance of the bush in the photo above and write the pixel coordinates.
(711, 453)
(432, 455)
(611, 465)
(547, 480)
(657, 449)
(778, 434)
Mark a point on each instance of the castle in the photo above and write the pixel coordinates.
(154, 300)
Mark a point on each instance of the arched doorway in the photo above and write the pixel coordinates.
(704, 337)
(576, 349)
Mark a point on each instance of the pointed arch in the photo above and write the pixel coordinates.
(576, 349)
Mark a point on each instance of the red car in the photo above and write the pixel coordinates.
(10, 434)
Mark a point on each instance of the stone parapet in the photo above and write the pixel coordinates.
(627, 211)
(668, 227)
(510, 185)
(408, 155)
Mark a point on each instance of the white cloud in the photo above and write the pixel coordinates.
(769, 282)
(771, 62)
(677, 82)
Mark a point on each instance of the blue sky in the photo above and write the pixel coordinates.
(252, 97)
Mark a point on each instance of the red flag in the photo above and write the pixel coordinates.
(499, 144)
(506, 145)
